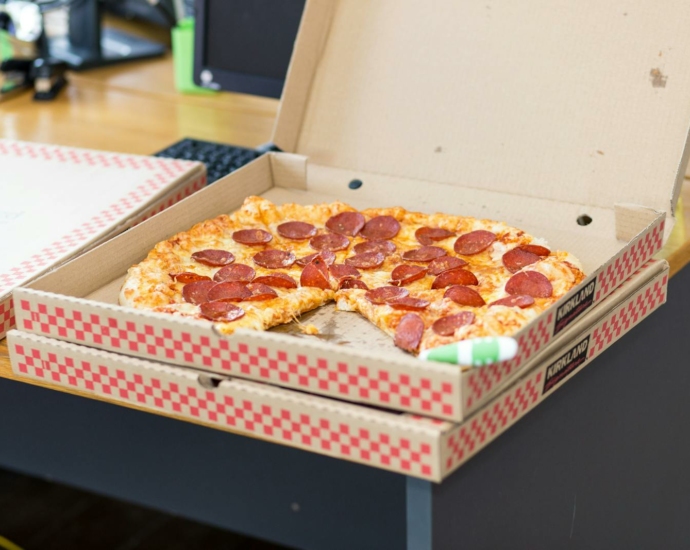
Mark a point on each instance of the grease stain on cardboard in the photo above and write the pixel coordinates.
(658, 78)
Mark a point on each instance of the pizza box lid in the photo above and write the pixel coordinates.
(559, 101)
(59, 201)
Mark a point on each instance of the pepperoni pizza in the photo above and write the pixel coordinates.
(427, 280)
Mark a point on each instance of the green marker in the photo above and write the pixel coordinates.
(475, 352)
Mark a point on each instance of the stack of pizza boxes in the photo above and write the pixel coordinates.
(57, 202)
(546, 119)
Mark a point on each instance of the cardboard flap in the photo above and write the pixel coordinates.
(631, 219)
(582, 102)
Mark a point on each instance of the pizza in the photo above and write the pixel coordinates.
(425, 279)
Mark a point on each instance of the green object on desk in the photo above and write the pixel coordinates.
(5, 46)
(183, 58)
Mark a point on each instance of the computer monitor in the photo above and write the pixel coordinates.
(245, 45)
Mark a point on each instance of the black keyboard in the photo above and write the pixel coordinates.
(220, 159)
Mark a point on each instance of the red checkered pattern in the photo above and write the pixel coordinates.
(628, 316)
(267, 417)
(164, 169)
(630, 260)
(161, 172)
(6, 317)
(470, 437)
(294, 365)
(480, 381)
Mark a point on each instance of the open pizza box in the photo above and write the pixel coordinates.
(401, 442)
(56, 202)
(548, 120)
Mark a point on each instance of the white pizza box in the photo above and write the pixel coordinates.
(56, 202)
(450, 109)
(400, 442)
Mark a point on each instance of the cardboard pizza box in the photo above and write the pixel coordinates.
(59, 201)
(400, 442)
(386, 377)
(457, 109)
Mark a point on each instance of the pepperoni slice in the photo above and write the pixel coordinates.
(457, 276)
(366, 260)
(327, 255)
(212, 257)
(536, 249)
(259, 292)
(228, 292)
(405, 274)
(197, 292)
(343, 271)
(446, 326)
(235, 272)
(188, 277)
(349, 282)
(529, 283)
(278, 279)
(514, 301)
(474, 242)
(384, 247)
(409, 332)
(464, 296)
(346, 223)
(445, 263)
(315, 274)
(380, 228)
(297, 231)
(384, 294)
(429, 235)
(423, 254)
(252, 237)
(274, 259)
(329, 241)
(408, 302)
(516, 259)
(221, 311)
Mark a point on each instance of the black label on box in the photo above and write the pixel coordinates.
(566, 364)
(574, 307)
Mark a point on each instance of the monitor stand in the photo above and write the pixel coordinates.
(88, 45)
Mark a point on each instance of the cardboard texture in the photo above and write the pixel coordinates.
(404, 443)
(513, 113)
(62, 201)
(516, 99)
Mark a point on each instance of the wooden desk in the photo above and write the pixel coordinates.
(134, 108)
